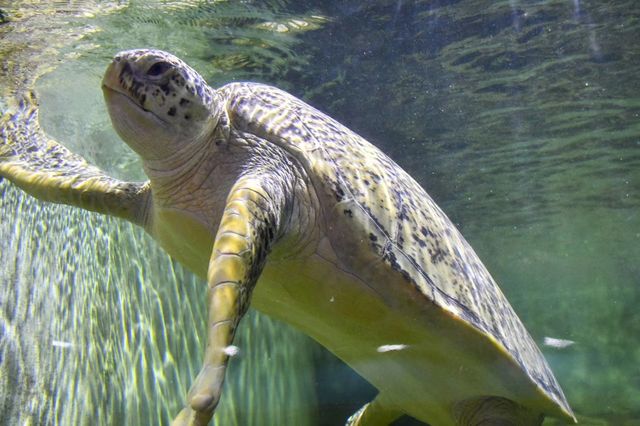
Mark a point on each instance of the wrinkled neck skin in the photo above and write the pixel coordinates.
(189, 166)
(196, 177)
(174, 161)
(196, 180)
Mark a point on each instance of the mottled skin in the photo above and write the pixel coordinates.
(280, 206)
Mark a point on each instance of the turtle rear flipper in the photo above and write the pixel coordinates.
(49, 171)
(496, 411)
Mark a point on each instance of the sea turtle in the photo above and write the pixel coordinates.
(278, 205)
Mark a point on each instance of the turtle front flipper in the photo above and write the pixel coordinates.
(250, 225)
(49, 171)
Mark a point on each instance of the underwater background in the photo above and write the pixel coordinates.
(520, 118)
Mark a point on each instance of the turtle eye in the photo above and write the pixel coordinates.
(158, 68)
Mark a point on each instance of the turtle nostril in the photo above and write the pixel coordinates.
(158, 68)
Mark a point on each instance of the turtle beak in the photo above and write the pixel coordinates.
(111, 87)
(110, 81)
(119, 79)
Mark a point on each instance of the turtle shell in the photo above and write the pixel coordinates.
(383, 224)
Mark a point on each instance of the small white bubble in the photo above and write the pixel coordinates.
(61, 344)
(232, 350)
(558, 343)
(389, 348)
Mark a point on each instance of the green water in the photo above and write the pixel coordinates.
(521, 119)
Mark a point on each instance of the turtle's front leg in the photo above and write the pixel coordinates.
(250, 225)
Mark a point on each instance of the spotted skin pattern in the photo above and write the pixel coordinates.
(181, 85)
(263, 170)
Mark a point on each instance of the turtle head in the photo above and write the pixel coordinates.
(158, 104)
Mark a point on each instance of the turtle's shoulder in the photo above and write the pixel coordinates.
(248, 97)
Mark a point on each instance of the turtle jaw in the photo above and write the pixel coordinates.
(148, 134)
(111, 93)
(112, 86)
